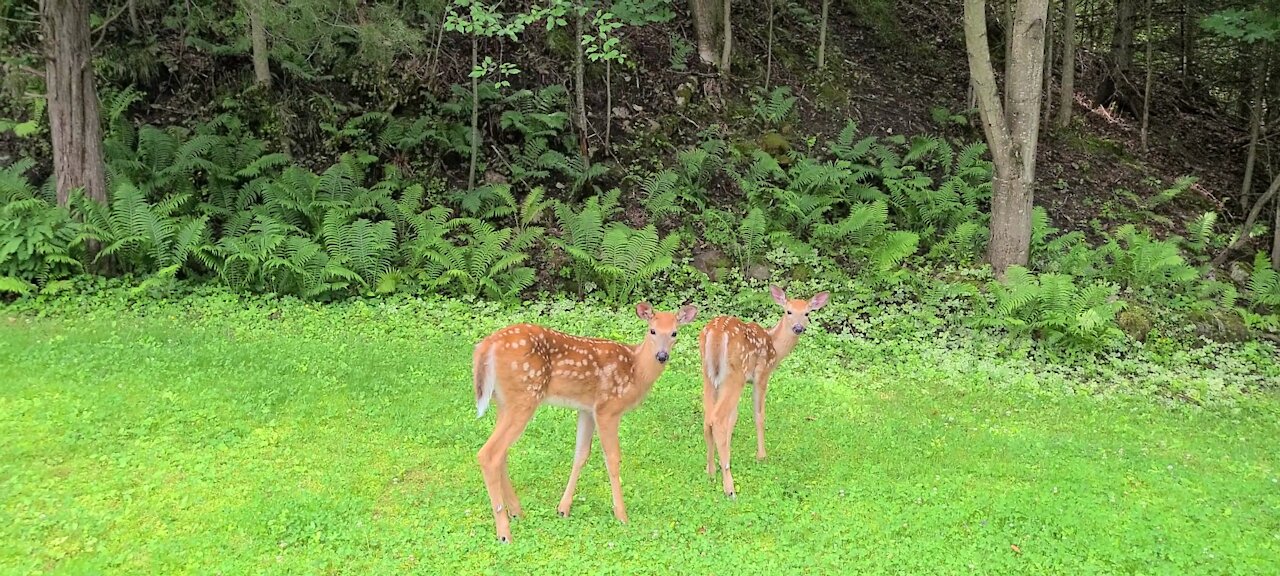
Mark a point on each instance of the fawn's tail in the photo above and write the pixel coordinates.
(482, 374)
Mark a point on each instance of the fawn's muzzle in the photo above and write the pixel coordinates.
(662, 357)
(798, 329)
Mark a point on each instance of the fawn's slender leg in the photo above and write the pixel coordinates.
(725, 417)
(509, 492)
(608, 427)
(511, 422)
(708, 415)
(758, 391)
(586, 427)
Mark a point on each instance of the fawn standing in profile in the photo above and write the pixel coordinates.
(523, 366)
(735, 352)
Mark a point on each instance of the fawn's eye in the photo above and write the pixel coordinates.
(652, 331)
(673, 334)
(788, 312)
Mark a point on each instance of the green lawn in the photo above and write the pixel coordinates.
(211, 435)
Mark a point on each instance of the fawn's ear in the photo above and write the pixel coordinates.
(644, 311)
(819, 300)
(686, 314)
(778, 296)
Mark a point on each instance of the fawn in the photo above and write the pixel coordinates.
(735, 352)
(524, 366)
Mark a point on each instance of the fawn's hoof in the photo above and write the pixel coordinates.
(504, 539)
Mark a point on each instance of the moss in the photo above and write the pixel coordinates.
(1220, 326)
(1136, 322)
(832, 94)
(775, 144)
(1091, 144)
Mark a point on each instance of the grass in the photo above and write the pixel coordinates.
(218, 435)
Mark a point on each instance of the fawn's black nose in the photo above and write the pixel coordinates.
(798, 329)
(662, 357)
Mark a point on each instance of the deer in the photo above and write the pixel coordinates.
(734, 353)
(523, 366)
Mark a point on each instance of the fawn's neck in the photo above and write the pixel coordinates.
(645, 368)
(782, 340)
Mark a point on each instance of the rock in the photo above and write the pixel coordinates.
(1238, 273)
(713, 263)
(1220, 326)
(759, 272)
(1135, 322)
(775, 144)
(684, 93)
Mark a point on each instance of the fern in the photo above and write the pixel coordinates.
(776, 108)
(11, 285)
(1264, 282)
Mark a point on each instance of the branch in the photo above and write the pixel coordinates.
(105, 23)
(983, 78)
(1243, 238)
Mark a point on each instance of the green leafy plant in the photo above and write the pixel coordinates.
(776, 107)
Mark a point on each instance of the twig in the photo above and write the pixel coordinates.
(105, 23)
(1243, 238)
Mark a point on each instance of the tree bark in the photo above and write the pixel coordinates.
(1068, 88)
(1275, 239)
(608, 103)
(258, 37)
(1048, 63)
(1116, 87)
(726, 53)
(768, 51)
(822, 33)
(134, 25)
(580, 83)
(75, 123)
(1255, 131)
(1012, 135)
(475, 112)
(1146, 91)
(704, 26)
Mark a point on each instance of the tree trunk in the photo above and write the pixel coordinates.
(726, 53)
(1190, 33)
(1255, 131)
(1048, 63)
(704, 26)
(1275, 239)
(1116, 87)
(1146, 91)
(1068, 88)
(768, 51)
(822, 33)
(258, 36)
(608, 103)
(1012, 136)
(475, 112)
(75, 125)
(580, 89)
(134, 25)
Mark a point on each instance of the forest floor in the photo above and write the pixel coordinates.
(205, 436)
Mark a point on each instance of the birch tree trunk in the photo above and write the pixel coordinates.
(1012, 134)
(258, 38)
